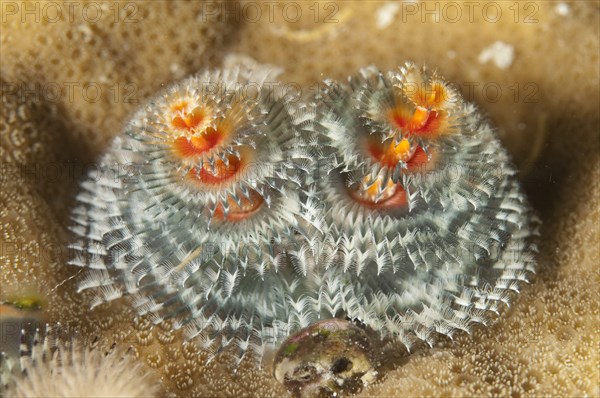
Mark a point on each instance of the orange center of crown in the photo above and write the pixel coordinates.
(373, 193)
(425, 117)
(242, 211)
(391, 154)
(420, 121)
(197, 136)
(188, 120)
(393, 196)
(197, 144)
(431, 95)
(219, 173)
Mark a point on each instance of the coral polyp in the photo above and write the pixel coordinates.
(244, 216)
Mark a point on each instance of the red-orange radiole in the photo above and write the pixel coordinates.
(221, 174)
(393, 196)
(246, 208)
(424, 115)
(197, 137)
(389, 153)
(198, 144)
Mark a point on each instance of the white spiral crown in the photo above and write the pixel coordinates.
(421, 203)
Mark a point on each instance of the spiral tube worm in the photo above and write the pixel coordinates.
(194, 207)
(430, 229)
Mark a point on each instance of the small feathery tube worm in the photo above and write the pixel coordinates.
(52, 363)
(245, 215)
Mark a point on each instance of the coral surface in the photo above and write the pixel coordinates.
(547, 110)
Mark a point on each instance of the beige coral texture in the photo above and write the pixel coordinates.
(547, 112)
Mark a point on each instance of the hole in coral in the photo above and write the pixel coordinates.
(341, 365)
